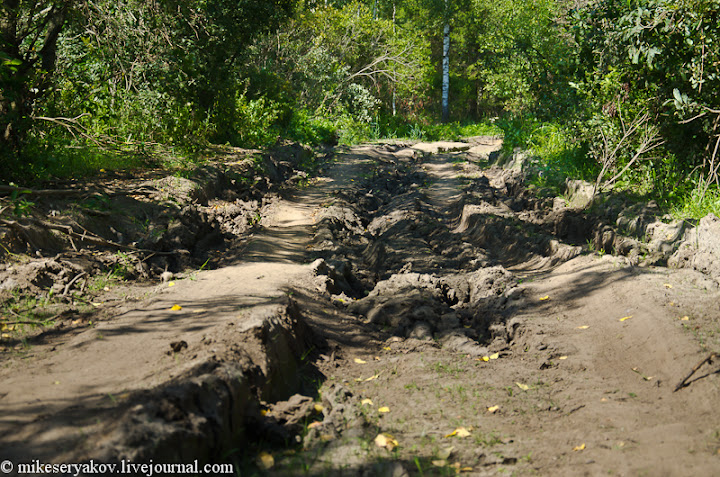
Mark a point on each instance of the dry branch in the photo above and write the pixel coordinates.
(86, 237)
(10, 323)
(7, 190)
(649, 140)
(684, 382)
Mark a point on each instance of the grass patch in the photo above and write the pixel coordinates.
(695, 205)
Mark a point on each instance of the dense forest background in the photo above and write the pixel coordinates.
(624, 93)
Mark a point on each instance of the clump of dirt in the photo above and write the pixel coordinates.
(700, 248)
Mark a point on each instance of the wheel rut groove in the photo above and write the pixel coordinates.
(413, 291)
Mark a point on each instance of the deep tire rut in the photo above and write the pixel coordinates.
(415, 311)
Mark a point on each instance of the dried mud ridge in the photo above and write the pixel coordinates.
(426, 260)
(76, 236)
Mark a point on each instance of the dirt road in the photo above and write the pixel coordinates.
(434, 315)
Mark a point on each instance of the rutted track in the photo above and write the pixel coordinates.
(420, 278)
(435, 266)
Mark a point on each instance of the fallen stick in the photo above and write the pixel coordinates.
(68, 230)
(72, 282)
(8, 190)
(38, 323)
(684, 382)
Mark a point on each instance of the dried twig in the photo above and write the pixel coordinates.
(7, 190)
(10, 323)
(684, 382)
(86, 237)
(649, 140)
(77, 277)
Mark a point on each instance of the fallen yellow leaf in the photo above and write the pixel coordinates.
(546, 297)
(667, 285)
(264, 412)
(171, 284)
(562, 357)
(319, 408)
(624, 318)
(374, 376)
(366, 401)
(484, 358)
(384, 409)
(522, 386)
(494, 356)
(685, 318)
(459, 432)
(359, 361)
(176, 308)
(492, 409)
(5, 335)
(672, 303)
(583, 327)
(387, 348)
(386, 440)
(315, 424)
(265, 460)
(377, 358)
(579, 448)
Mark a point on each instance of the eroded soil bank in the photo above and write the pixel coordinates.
(417, 310)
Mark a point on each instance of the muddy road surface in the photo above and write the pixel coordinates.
(416, 310)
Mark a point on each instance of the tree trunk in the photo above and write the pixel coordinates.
(446, 73)
(28, 41)
(394, 102)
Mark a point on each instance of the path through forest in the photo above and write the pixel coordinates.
(434, 316)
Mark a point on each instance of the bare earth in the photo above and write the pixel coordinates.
(431, 284)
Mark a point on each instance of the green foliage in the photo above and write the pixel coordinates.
(522, 59)
(130, 74)
(335, 68)
(624, 92)
(655, 56)
(309, 129)
(556, 152)
(696, 205)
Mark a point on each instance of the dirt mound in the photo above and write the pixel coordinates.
(139, 228)
(700, 248)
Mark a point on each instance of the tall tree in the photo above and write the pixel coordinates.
(446, 66)
(29, 31)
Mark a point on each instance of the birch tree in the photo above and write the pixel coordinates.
(446, 66)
